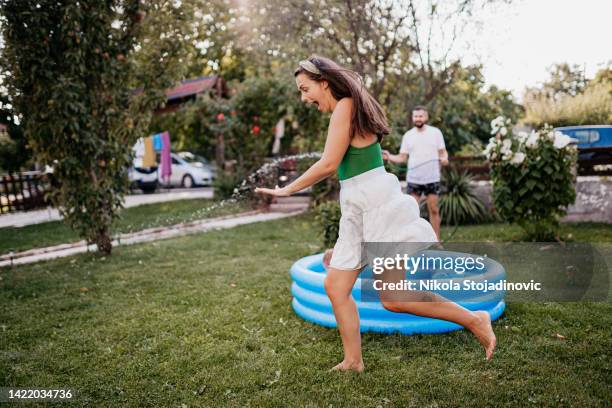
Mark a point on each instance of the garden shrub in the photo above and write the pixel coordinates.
(459, 204)
(225, 183)
(328, 217)
(533, 177)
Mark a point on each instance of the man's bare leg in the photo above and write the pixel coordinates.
(434, 213)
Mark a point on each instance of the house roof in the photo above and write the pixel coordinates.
(192, 87)
(188, 89)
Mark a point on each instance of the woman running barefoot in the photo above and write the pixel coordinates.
(373, 207)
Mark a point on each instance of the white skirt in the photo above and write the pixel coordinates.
(374, 209)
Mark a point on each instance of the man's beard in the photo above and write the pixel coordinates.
(419, 125)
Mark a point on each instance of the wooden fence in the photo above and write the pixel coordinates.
(477, 167)
(22, 191)
(600, 164)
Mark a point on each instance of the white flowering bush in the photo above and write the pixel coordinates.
(533, 180)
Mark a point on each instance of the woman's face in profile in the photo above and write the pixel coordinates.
(312, 92)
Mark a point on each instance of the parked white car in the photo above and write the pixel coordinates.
(189, 170)
(144, 178)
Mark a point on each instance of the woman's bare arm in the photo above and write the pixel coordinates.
(336, 144)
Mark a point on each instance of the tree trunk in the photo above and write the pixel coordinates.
(220, 150)
(103, 242)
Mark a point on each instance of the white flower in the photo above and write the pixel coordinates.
(503, 131)
(522, 137)
(496, 124)
(518, 158)
(532, 140)
(506, 145)
(490, 146)
(506, 149)
(561, 140)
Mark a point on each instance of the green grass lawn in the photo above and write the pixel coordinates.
(132, 219)
(205, 320)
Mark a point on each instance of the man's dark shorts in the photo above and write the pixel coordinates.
(419, 189)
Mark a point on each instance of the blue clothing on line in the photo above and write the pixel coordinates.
(157, 142)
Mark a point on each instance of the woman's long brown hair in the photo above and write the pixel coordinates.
(367, 116)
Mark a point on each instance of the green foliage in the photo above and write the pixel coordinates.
(71, 66)
(565, 80)
(247, 121)
(328, 218)
(14, 152)
(533, 178)
(594, 106)
(225, 183)
(215, 46)
(569, 99)
(459, 204)
(462, 110)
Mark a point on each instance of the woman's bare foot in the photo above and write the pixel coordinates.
(349, 366)
(483, 330)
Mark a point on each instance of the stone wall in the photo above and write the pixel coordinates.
(593, 198)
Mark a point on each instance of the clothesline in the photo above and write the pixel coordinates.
(147, 147)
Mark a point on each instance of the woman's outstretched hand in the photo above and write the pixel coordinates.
(279, 192)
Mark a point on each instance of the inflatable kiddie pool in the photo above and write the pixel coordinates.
(311, 303)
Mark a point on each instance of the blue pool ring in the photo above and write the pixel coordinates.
(311, 302)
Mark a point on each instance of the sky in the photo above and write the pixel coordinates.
(517, 43)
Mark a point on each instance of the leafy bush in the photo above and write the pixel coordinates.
(459, 204)
(594, 106)
(225, 183)
(568, 98)
(328, 217)
(245, 123)
(532, 177)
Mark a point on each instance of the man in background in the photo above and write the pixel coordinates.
(424, 151)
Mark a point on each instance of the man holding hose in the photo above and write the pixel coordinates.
(424, 149)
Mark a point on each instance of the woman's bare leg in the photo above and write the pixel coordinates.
(430, 304)
(338, 285)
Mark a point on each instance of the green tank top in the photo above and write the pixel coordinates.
(358, 160)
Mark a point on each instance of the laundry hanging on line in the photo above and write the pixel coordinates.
(157, 142)
(149, 159)
(166, 159)
(146, 150)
